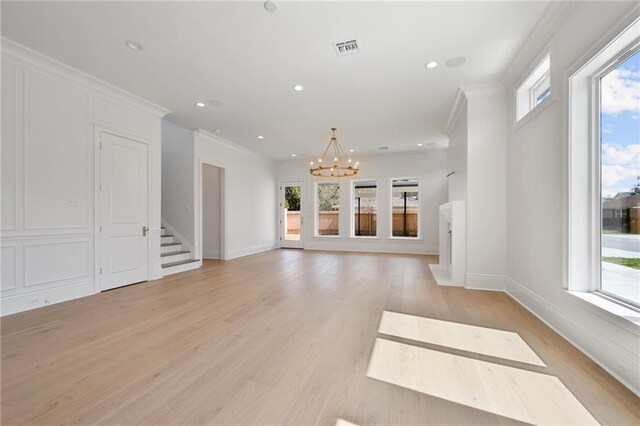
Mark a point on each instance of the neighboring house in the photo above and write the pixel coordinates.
(622, 212)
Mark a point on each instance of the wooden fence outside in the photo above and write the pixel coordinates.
(328, 223)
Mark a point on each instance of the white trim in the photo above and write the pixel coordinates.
(281, 218)
(19, 52)
(316, 205)
(484, 89)
(247, 251)
(419, 237)
(598, 347)
(352, 207)
(197, 211)
(232, 145)
(12, 304)
(456, 110)
(100, 128)
(486, 282)
(177, 235)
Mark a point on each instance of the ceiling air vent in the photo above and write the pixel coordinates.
(347, 48)
(383, 148)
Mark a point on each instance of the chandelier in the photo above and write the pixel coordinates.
(341, 165)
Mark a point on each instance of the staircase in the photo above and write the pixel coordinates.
(173, 256)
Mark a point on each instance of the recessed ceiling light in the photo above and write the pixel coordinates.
(431, 64)
(419, 144)
(200, 104)
(352, 150)
(271, 6)
(260, 137)
(293, 155)
(133, 45)
(298, 88)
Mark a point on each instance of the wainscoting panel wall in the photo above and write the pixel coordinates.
(51, 114)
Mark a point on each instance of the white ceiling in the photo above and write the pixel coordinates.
(248, 60)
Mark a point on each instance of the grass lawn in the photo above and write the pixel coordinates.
(631, 262)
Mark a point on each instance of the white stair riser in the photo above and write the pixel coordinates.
(180, 268)
(169, 249)
(175, 258)
(165, 240)
(163, 231)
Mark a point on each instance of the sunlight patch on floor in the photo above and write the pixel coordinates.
(481, 340)
(506, 391)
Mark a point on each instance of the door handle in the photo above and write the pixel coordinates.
(145, 229)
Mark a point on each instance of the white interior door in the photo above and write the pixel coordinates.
(291, 215)
(124, 211)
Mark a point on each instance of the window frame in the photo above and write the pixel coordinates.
(543, 83)
(524, 89)
(352, 206)
(595, 140)
(316, 206)
(418, 237)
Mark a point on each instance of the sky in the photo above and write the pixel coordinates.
(620, 127)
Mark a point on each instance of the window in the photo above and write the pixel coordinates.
(405, 207)
(618, 100)
(365, 209)
(535, 89)
(328, 209)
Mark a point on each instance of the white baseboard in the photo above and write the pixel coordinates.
(486, 282)
(37, 299)
(234, 254)
(442, 276)
(597, 347)
(177, 235)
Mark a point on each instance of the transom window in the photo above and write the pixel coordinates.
(535, 89)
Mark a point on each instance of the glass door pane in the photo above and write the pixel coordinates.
(292, 220)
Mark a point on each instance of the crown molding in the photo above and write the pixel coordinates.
(552, 16)
(458, 106)
(482, 89)
(205, 134)
(29, 57)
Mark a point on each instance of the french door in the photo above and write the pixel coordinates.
(291, 215)
(124, 211)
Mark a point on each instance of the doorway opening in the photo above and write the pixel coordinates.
(212, 211)
(291, 215)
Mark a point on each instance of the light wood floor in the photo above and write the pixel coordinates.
(282, 337)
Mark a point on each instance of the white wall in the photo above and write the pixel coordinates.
(486, 187)
(536, 191)
(50, 116)
(177, 180)
(457, 155)
(430, 168)
(249, 194)
(211, 209)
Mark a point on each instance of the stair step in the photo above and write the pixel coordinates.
(182, 262)
(164, 236)
(171, 253)
(169, 244)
